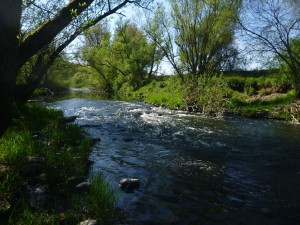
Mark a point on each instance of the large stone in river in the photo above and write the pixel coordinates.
(129, 184)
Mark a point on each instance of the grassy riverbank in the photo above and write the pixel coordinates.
(43, 158)
(255, 95)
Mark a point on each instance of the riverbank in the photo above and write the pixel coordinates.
(44, 172)
(254, 97)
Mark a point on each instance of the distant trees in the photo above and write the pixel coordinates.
(273, 26)
(126, 60)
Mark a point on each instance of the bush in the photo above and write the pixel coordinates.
(207, 94)
(236, 83)
(249, 90)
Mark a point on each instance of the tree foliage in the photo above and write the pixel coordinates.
(197, 36)
(203, 32)
(126, 60)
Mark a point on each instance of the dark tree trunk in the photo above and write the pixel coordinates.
(10, 13)
(45, 34)
(24, 91)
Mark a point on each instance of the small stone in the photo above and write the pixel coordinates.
(83, 186)
(3, 170)
(43, 176)
(4, 205)
(129, 184)
(35, 159)
(88, 222)
(40, 190)
(73, 180)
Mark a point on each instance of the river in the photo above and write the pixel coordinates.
(193, 169)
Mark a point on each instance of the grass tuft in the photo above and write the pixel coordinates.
(101, 199)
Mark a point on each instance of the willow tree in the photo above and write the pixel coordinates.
(203, 30)
(196, 36)
(17, 49)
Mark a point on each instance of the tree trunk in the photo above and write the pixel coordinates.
(44, 35)
(10, 13)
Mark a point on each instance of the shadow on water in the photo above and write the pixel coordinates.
(193, 169)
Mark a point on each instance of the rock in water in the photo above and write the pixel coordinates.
(129, 184)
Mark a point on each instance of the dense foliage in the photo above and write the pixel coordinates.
(124, 61)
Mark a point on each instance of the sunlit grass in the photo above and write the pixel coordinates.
(15, 146)
(64, 148)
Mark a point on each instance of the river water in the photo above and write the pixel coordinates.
(194, 169)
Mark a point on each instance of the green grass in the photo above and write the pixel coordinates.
(26, 216)
(38, 131)
(247, 106)
(167, 92)
(16, 146)
(244, 93)
(101, 200)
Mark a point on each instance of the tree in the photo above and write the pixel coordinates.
(133, 54)
(17, 50)
(127, 59)
(97, 52)
(200, 30)
(159, 30)
(273, 26)
(203, 31)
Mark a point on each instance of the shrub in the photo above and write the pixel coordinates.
(249, 90)
(208, 94)
(236, 83)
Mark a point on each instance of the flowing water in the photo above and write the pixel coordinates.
(194, 169)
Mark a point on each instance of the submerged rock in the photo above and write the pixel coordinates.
(128, 139)
(129, 184)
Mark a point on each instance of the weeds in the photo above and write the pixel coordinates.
(22, 215)
(101, 199)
